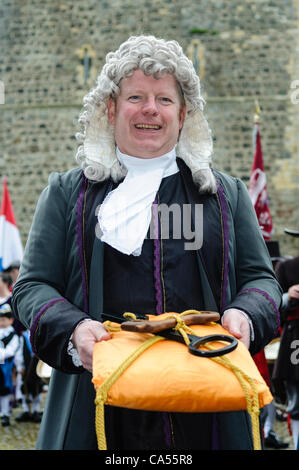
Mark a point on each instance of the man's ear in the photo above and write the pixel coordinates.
(111, 106)
(182, 116)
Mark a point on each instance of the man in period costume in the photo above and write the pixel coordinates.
(145, 143)
(286, 367)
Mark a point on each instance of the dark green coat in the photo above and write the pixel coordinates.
(61, 278)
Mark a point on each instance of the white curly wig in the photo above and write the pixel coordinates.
(96, 151)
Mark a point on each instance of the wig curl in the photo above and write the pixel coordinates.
(96, 152)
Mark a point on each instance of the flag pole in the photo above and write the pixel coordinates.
(256, 118)
(256, 122)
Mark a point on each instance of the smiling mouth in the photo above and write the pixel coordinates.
(148, 126)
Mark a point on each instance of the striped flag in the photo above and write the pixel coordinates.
(259, 198)
(11, 248)
(258, 188)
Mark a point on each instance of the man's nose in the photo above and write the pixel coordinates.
(150, 106)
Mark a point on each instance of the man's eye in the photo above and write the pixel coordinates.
(134, 97)
(165, 99)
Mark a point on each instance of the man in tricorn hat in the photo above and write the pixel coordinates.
(287, 364)
(145, 142)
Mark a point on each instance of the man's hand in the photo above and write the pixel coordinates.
(85, 335)
(293, 292)
(237, 324)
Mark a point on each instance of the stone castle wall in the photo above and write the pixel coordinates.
(51, 51)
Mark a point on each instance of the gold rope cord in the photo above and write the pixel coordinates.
(102, 392)
(252, 402)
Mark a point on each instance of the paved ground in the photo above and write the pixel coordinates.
(22, 436)
(281, 429)
(18, 436)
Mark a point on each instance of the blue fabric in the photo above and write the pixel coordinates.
(7, 374)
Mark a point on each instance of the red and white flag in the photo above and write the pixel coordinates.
(258, 188)
(11, 248)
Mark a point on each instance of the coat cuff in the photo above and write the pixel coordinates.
(262, 310)
(50, 333)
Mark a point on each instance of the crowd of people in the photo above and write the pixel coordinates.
(20, 387)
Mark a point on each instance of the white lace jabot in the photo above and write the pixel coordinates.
(125, 214)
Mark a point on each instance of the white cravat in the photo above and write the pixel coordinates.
(125, 214)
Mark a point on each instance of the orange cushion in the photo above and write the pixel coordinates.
(166, 377)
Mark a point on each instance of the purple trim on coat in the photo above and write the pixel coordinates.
(167, 432)
(224, 215)
(38, 317)
(79, 231)
(157, 259)
(267, 296)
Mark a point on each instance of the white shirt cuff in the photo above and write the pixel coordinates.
(72, 351)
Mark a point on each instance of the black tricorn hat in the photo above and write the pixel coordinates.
(294, 233)
(274, 251)
(14, 265)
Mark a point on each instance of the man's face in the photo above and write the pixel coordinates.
(147, 115)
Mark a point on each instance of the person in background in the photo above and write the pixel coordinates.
(5, 288)
(286, 367)
(9, 276)
(13, 271)
(269, 411)
(30, 386)
(9, 343)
